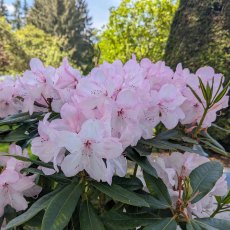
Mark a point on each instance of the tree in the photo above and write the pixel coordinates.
(66, 19)
(36, 43)
(25, 10)
(17, 19)
(25, 7)
(200, 35)
(139, 27)
(3, 9)
(13, 59)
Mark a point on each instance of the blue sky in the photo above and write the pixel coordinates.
(98, 10)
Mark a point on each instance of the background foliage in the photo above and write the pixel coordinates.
(137, 27)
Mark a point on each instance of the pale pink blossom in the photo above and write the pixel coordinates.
(15, 186)
(89, 149)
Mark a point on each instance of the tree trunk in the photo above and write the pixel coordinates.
(200, 35)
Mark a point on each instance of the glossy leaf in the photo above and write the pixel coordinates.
(89, 220)
(203, 179)
(132, 183)
(153, 202)
(212, 223)
(192, 226)
(164, 224)
(157, 187)
(128, 221)
(18, 118)
(118, 193)
(61, 207)
(142, 161)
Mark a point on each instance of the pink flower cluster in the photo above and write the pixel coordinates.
(14, 185)
(169, 168)
(106, 111)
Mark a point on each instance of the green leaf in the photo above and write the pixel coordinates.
(164, 224)
(192, 226)
(169, 134)
(157, 187)
(35, 208)
(142, 161)
(214, 148)
(226, 199)
(18, 118)
(153, 202)
(61, 207)
(18, 134)
(89, 220)
(212, 140)
(212, 223)
(132, 183)
(118, 193)
(209, 92)
(220, 128)
(36, 221)
(221, 94)
(143, 150)
(203, 179)
(195, 94)
(164, 144)
(203, 89)
(127, 221)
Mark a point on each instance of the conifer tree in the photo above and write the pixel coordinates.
(25, 9)
(17, 20)
(3, 9)
(66, 19)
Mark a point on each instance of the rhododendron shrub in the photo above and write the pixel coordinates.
(82, 132)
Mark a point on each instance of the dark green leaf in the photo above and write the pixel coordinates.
(221, 128)
(36, 207)
(36, 221)
(212, 223)
(192, 226)
(164, 224)
(153, 202)
(143, 150)
(212, 140)
(157, 187)
(195, 94)
(212, 147)
(132, 183)
(18, 118)
(222, 93)
(89, 220)
(61, 207)
(141, 161)
(127, 221)
(163, 144)
(118, 193)
(199, 150)
(204, 177)
(169, 134)
(226, 199)
(18, 134)
(209, 92)
(203, 89)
